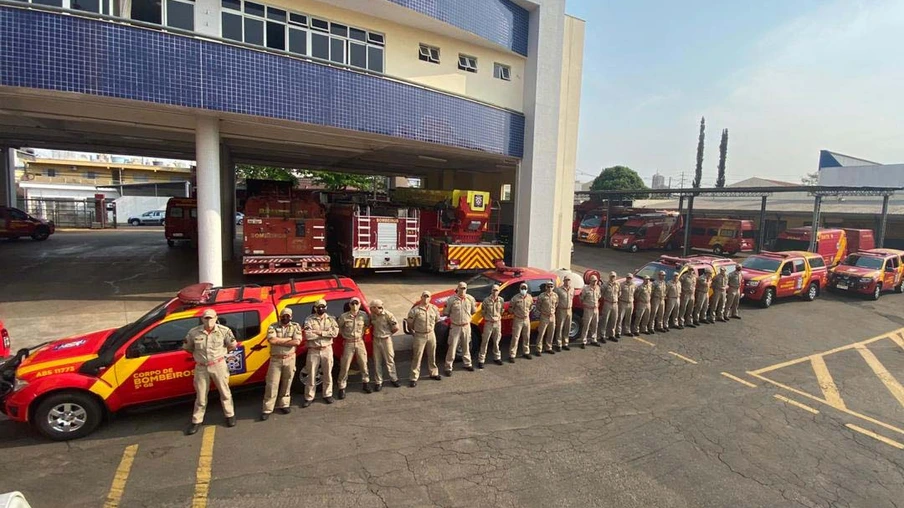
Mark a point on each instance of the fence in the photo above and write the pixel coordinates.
(69, 213)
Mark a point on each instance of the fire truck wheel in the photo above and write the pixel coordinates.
(812, 292)
(634, 248)
(575, 328)
(68, 415)
(717, 250)
(768, 298)
(877, 292)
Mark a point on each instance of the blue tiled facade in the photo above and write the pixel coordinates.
(499, 21)
(56, 52)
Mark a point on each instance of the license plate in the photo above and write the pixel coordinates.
(841, 286)
(177, 235)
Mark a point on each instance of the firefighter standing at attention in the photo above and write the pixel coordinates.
(565, 292)
(520, 307)
(735, 280)
(491, 308)
(686, 313)
(672, 295)
(319, 331)
(460, 308)
(422, 319)
(209, 344)
(283, 337)
(625, 306)
(547, 304)
(642, 296)
(717, 302)
(590, 297)
(352, 325)
(609, 321)
(657, 299)
(702, 298)
(385, 325)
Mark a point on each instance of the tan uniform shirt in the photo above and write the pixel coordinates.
(320, 330)
(278, 331)
(521, 305)
(460, 309)
(352, 325)
(491, 308)
(626, 292)
(610, 292)
(384, 324)
(209, 347)
(547, 303)
(702, 285)
(658, 290)
(673, 289)
(718, 282)
(590, 297)
(734, 279)
(643, 293)
(566, 298)
(422, 319)
(687, 282)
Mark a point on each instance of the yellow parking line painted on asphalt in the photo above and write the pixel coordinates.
(882, 373)
(638, 339)
(796, 404)
(202, 477)
(121, 477)
(826, 383)
(739, 380)
(688, 360)
(898, 338)
(875, 436)
(889, 335)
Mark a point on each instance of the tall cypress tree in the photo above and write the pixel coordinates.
(723, 153)
(698, 174)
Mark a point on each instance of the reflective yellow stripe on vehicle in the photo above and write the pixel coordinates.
(476, 258)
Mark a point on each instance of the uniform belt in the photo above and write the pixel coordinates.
(383, 337)
(345, 339)
(208, 364)
(462, 324)
(317, 348)
(282, 357)
(491, 320)
(522, 317)
(626, 301)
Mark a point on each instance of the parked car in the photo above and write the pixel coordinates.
(869, 272)
(152, 218)
(699, 263)
(65, 387)
(15, 223)
(239, 218)
(771, 275)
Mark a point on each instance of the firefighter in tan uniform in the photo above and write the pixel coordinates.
(209, 344)
(657, 302)
(319, 331)
(283, 338)
(609, 321)
(563, 314)
(491, 308)
(547, 304)
(422, 319)
(672, 296)
(385, 325)
(352, 325)
(717, 302)
(460, 308)
(686, 313)
(735, 280)
(702, 298)
(625, 306)
(642, 296)
(590, 302)
(520, 308)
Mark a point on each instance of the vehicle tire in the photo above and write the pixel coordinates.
(717, 250)
(135, 222)
(812, 292)
(574, 330)
(41, 233)
(899, 288)
(768, 298)
(301, 375)
(163, 223)
(68, 415)
(634, 248)
(171, 243)
(877, 292)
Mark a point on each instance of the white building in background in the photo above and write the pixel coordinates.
(658, 181)
(836, 169)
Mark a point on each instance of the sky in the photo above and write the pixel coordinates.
(787, 78)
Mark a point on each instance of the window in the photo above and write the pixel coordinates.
(467, 63)
(535, 286)
(16, 214)
(506, 193)
(163, 338)
(799, 266)
(98, 6)
(817, 262)
(748, 233)
(172, 13)
(91, 175)
(787, 269)
(176, 212)
(428, 53)
(509, 292)
(51, 172)
(194, 213)
(503, 72)
(334, 308)
(244, 325)
(698, 231)
(728, 233)
(711, 232)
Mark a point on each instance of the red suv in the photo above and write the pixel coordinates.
(65, 387)
(15, 223)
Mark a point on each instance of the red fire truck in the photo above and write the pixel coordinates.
(380, 236)
(284, 230)
(458, 229)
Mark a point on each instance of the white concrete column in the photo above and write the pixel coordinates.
(210, 240)
(8, 177)
(227, 201)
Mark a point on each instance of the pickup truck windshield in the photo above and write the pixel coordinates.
(872, 263)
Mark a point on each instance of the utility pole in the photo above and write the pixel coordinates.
(670, 182)
(681, 185)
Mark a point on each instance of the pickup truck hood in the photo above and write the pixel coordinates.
(748, 274)
(855, 271)
(68, 354)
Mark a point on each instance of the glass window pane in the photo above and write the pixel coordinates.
(375, 59)
(337, 29)
(235, 5)
(86, 5)
(254, 9)
(358, 35)
(357, 55)
(375, 38)
(298, 19)
(276, 35)
(52, 3)
(232, 26)
(337, 50)
(180, 15)
(320, 46)
(145, 10)
(320, 24)
(254, 31)
(298, 41)
(276, 14)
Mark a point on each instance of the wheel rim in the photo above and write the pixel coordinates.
(67, 417)
(812, 291)
(303, 376)
(574, 329)
(876, 292)
(769, 297)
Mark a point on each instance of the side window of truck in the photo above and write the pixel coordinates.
(800, 266)
(787, 269)
(817, 262)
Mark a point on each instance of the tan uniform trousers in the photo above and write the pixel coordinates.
(520, 331)
(625, 312)
(701, 307)
(717, 305)
(686, 313)
(563, 326)
(279, 383)
(423, 341)
(384, 354)
(319, 359)
(353, 349)
(609, 320)
(456, 334)
(219, 374)
(641, 318)
(546, 333)
(589, 323)
(671, 318)
(657, 314)
(732, 301)
(491, 331)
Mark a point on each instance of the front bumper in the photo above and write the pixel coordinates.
(754, 292)
(852, 285)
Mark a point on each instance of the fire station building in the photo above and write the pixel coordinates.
(464, 94)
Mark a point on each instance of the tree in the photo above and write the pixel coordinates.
(341, 181)
(810, 179)
(698, 174)
(618, 178)
(723, 154)
(257, 172)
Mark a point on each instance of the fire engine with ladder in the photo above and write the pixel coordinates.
(458, 229)
(284, 230)
(367, 233)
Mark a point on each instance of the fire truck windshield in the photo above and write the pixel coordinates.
(870, 262)
(480, 286)
(627, 230)
(591, 222)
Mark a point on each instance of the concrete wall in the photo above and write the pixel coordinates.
(132, 206)
(885, 175)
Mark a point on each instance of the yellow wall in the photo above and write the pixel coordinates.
(401, 57)
(65, 174)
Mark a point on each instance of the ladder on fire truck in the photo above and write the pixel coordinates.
(363, 226)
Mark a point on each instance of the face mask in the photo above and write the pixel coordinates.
(523, 292)
(321, 311)
(285, 319)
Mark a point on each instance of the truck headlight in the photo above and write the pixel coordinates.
(866, 280)
(753, 283)
(19, 384)
(624, 241)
